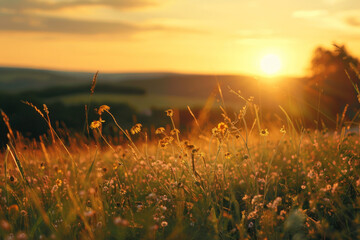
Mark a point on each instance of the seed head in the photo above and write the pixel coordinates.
(160, 130)
(103, 108)
(136, 129)
(169, 112)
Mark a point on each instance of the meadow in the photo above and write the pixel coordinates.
(239, 179)
(253, 172)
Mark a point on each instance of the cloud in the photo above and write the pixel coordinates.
(33, 16)
(29, 23)
(353, 21)
(351, 17)
(309, 13)
(338, 23)
(12, 22)
(332, 2)
(20, 5)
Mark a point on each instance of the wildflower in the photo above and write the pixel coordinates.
(169, 113)
(264, 132)
(58, 182)
(96, 124)
(42, 166)
(174, 131)
(103, 108)
(160, 130)
(222, 127)
(136, 129)
(215, 131)
(164, 224)
(115, 166)
(282, 130)
(227, 155)
(165, 141)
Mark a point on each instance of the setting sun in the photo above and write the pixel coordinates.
(270, 64)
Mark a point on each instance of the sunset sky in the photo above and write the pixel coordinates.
(190, 36)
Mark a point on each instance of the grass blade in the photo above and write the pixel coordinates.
(5, 169)
(91, 167)
(18, 164)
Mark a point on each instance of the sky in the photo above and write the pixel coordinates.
(186, 36)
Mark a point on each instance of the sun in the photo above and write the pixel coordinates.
(270, 64)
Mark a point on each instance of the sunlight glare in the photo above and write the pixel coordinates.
(270, 64)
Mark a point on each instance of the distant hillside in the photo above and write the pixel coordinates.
(15, 80)
(23, 79)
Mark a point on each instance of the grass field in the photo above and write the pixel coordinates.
(239, 179)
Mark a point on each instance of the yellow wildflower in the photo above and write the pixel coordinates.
(96, 124)
(282, 130)
(136, 129)
(58, 182)
(222, 127)
(174, 131)
(227, 155)
(103, 108)
(215, 131)
(264, 132)
(165, 141)
(160, 130)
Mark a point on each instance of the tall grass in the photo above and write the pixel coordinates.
(240, 179)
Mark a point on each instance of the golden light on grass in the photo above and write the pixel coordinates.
(270, 64)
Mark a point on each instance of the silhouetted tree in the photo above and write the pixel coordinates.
(330, 72)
